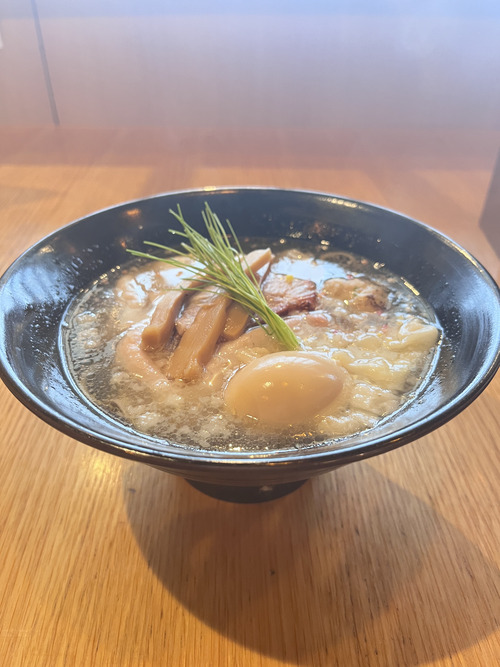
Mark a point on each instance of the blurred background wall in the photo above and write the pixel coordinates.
(297, 64)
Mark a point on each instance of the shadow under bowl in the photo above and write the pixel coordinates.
(38, 287)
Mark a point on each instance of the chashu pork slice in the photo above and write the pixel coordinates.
(285, 294)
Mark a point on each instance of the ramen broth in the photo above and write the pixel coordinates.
(365, 325)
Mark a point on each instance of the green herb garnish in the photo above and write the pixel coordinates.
(217, 263)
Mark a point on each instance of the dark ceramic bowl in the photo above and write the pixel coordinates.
(36, 290)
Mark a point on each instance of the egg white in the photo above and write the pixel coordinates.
(284, 388)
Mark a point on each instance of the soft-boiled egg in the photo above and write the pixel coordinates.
(284, 388)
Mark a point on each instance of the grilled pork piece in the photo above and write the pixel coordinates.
(286, 293)
(362, 294)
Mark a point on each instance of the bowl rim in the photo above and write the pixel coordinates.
(177, 454)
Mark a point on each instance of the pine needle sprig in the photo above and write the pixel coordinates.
(217, 263)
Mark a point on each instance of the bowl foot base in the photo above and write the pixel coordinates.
(246, 494)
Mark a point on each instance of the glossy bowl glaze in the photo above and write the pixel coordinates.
(36, 290)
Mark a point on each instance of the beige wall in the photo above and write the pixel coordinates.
(23, 91)
(133, 64)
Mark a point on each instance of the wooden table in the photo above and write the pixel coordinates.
(394, 561)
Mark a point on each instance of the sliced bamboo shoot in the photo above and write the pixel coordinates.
(197, 345)
(256, 259)
(192, 308)
(165, 315)
(237, 316)
(236, 321)
(159, 330)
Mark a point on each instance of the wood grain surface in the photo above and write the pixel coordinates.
(393, 561)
